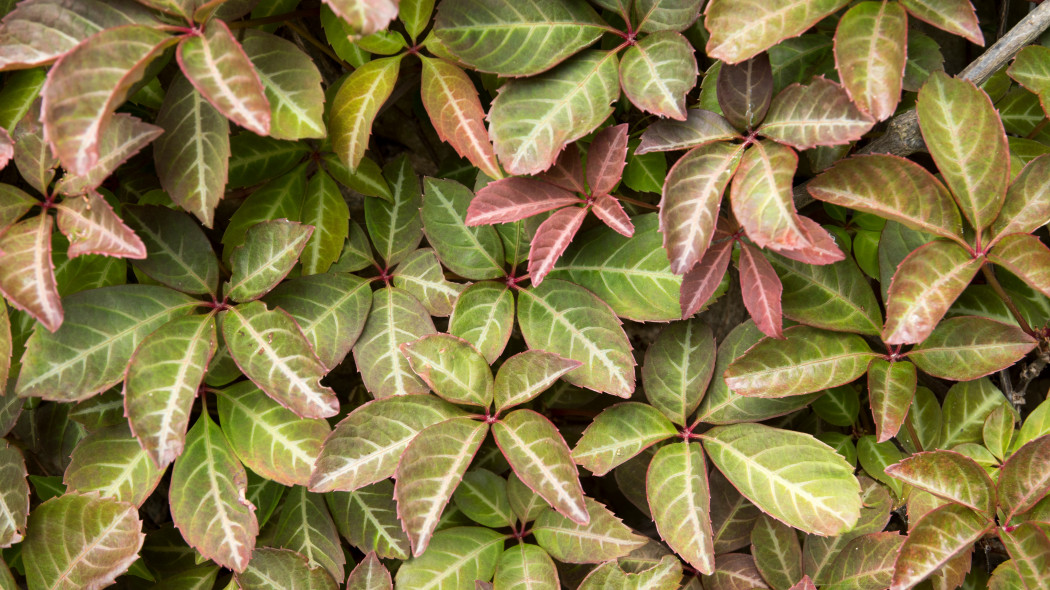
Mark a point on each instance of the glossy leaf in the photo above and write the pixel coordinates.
(93, 228)
(456, 558)
(949, 475)
(762, 292)
(1025, 256)
(619, 433)
(936, 539)
(891, 387)
(178, 253)
(370, 574)
(820, 113)
(484, 316)
(395, 227)
(866, 562)
(603, 538)
(699, 128)
(738, 34)
(14, 495)
(396, 318)
(455, 110)
(292, 85)
(120, 140)
(355, 106)
(1024, 479)
(1024, 210)
(870, 45)
(966, 348)
(680, 501)
(367, 518)
(422, 275)
(761, 197)
(744, 91)
(790, 475)
(27, 278)
(527, 374)
(269, 252)
(955, 16)
(471, 252)
(678, 366)
(658, 72)
(281, 568)
(325, 210)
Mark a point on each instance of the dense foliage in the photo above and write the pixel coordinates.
(334, 265)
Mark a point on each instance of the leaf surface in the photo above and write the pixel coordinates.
(820, 113)
(866, 562)
(178, 253)
(680, 500)
(619, 433)
(526, 566)
(93, 228)
(1024, 211)
(282, 568)
(452, 368)
(955, 16)
(949, 475)
(658, 72)
(269, 252)
(744, 91)
(700, 127)
(966, 348)
(457, 557)
(471, 252)
(777, 553)
(1029, 547)
(891, 388)
(370, 574)
(365, 16)
(292, 85)
(527, 374)
(120, 140)
(761, 197)
(325, 210)
(484, 316)
(831, 296)
(455, 110)
(367, 518)
(678, 367)
(603, 538)
(741, 31)
(14, 495)
(111, 462)
(705, 279)
(27, 275)
(306, 527)
(355, 106)
(552, 238)
(1025, 256)
(511, 199)
(396, 318)
(422, 275)
(761, 290)
(396, 227)
(1024, 478)
(936, 539)
(1029, 70)
(870, 46)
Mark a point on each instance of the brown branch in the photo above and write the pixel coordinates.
(903, 138)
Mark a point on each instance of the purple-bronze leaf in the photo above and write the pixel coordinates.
(701, 282)
(817, 114)
(1026, 207)
(220, 70)
(1024, 478)
(955, 16)
(365, 16)
(761, 197)
(924, 287)
(740, 31)
(966, 139)
(968, 347)
(1027, 257)
(734, 571)
(551, 240)
(370, 574)
(1029, 548)
(567, 171)
(121, 139)
(680, 500)
(657, 72)
(936, 539)
(870, 55)
(699, 128)
(609, 210)
(745, 90)
(27, 276)
(511, 199)
(949, 475)
(820, 249)
(606, 159)
(452, 103)
(891, 388)
(761, 289)
(93, 228)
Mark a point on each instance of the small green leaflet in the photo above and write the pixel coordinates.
(453, 368)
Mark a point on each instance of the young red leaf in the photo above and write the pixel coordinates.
(924, 287)
(93, 228)
(739, 31)
(511, 199)
(936, 539)
(1024, 478)
(821, 248)
(949, 475)
(453, 106)
(121, 139)
(761, 197)
(699, 128)
(955, 16)
(657, 72)
(966, 348)
(356, 105)
(567, 171)
(1027, 257)
(551, 240)
(701, 282)
(891, 388)
(365, 16)
(691, 199)
(761, 289)
(820, 113)
(220, 70)
(609, 210)
(7, 148)
(956, 117)
(1026, 208)
(745, 90)
(27, 277)
(870, 55)
(606, 159)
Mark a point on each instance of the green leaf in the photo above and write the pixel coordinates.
(472, 252)
(1024, 478)
(516, 38)
(452, 103)
(269, 251)
(619, 433)
(665, 575)
(484, 315)
(830, 296)
(111, 462)
(14, 495)
(396, 318)
(1029, 70)
(179, 255)
(415, 14)
(357, 251)
(870, 55)
(269, 439)
(732, 515)
(355, 106)
(281, 198)
(790, 475)
(744, 90)
(949, 475)
(839, 406)
(90, 353)
(874, 457)
(966, 348)
(891, 388)
(528, 567)
(568, 320)
(365, 446)
(208, 503)
(1029, 546)
(14, 203)
(193, 155)
(777, 553)
(365, 16)
(955, 16)
(808, 360)
(645, 172)
(734, 570)
(271, 350)
(924, 58)
(819, 553)
(396, 226)
(280, 568)
(324, 209)
(738, 33)
(27, 277)
(367, 518)
(255, 159)
(680, 501)
(421, 275)
(331, 310)
(482, 496)
(936, 539)
(370, 574)
(220, 70)
(998, 431)
(761, 197)
(1025, 256)
(532, 119)
(700, 127)
(1024, 211)
(367, 179)
(292, 85)
(20, 90)
(631, 274)
(678, 367)
(820, 113)
(456, 557)
(866, 562)
(81, 541)
(525, 375)
(452, 368)
(954, 116)
(539, 456)
(658, 72)
(306, 527)
(604, 537)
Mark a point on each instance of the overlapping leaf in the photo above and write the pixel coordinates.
(93, 228)
(954, 16)
(830, 296)
(680, 501)
(396, 318)
(619, 433)
(604, 537)
(870, 45)
(761, 197)
(936, 539)
(482, 497)
(422, 275)
(891, 388)
(678, 367)
(700, 127)
(1024, 478)
(816, 114)
(325, 210)
(739, 31)
(178, 253)
(365, 16)
(762, 293)
(292, 85)
(511, 199)
(528, 567)
(121, 139)
(966, 348)
(744, 91)
(453, 368)
(367, 518)
(110, 461)
(306, 527)
(355, 106)
(456, 558)
(484, 316)
(14, 495)
(472, 252)
(527, 374)
(658, 72)
(27, 278)
(370, 574)
(282, 568)
(269, 252)
(395, 226)
(1023, 211)
(455, 110)
(1025, 256)
(865, 562)
(950, 475)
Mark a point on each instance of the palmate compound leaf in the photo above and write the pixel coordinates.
(532, 119)
(540, 458)
(429, 471)
(1025, 256)
(955, 16)
(484, 316)
(678, 367)
(178, 253)
(86, 84)
(1025, 478)
(110, 461)
(123, 137)
(370, 574)
(365, 16)
(657, 72)
(1024, 210)
(604, 537)
(91, 351)
(527, 567)
(949, 475)
(452, 368)
(744, 91)
(456, 558)
(568, 320)
(355, 106)
(451, 101)
(282, 568)
(870, 55)
(269, 252)
(516, 38)
(365, 446)
(306, 527)
(700, 127)
(619, 433)
(396, 318)
(680, 501)
(27, 275)
(761, 197)
(956, 117)
(81, 541)
(270, 349)
(816, 114)
(789, 475)
(268, 438)
(935, 540)
(966, 348)
(891, 389)
(14, 495)
(472, 252)
(830, 296)
(740, 31)
(292, 85)
(93, 228)
(808, 360)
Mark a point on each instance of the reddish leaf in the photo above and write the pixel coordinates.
(121, 139)
(511, 199)
(27, 277)
(1026, 207)
(949, 475)
(609, 210)
(924, 287)
(220, 70)
(966, 348)
(734, 571)
(551, 239)
(821, 249)
(7, 148)
(870, 55)
(804, 584)
(699, 128)
(936, 539)
(744, 91)
(567, 171)
(606, 159)
(966, 139)
(762, 200)
(818, 114)
(1024, 478)
(955, 16)
(93, 228)
(1025, 256)
(866, 562)
(692, 196)
(1029, 546)
(891, 388)
(700, 283)
(365, 16)
(33, 156)
(761, 290)
(453, 106)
